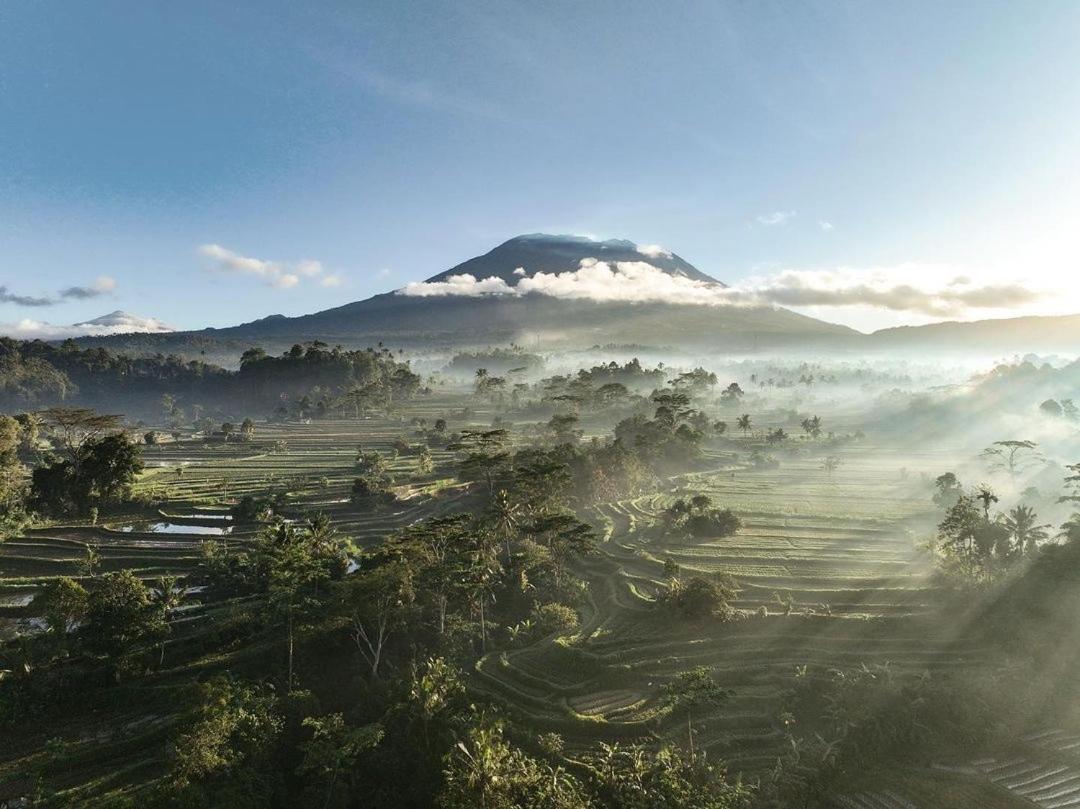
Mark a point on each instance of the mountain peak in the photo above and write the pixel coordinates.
(555, 253)
(119, 321)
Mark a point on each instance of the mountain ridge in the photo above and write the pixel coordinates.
(450, 321)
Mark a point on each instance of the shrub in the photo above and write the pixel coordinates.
(714, 523)
(700, 597)
(555, 617)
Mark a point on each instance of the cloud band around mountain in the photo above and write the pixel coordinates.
(113, 323)
(907, 288)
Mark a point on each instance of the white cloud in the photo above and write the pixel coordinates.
(330, 281)
(904, 288)
(519, 271)
(826, 226)
(465, 285)
(653, 251)
(775, 218)
(385, 271)
(628, 281)
(281, 275)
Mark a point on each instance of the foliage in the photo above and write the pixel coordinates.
(700, 597)
(99, 468)
(224, 756)
(120, 619)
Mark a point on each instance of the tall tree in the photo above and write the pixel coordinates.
(1023, 525)
(744, 423)
(692, 690)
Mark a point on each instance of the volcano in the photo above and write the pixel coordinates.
(544, 294)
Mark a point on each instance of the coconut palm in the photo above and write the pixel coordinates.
(812, 426)
(506, 514)
(167, 594)
(744, 423)
(1070, 529)
(1026, 533)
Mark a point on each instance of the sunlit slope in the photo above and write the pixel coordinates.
(829, 576)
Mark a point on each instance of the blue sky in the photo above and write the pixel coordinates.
(388, 141)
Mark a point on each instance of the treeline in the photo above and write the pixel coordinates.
(497, 361)
(35, 374)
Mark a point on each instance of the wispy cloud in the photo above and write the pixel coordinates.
(826, 226)
(412, 92)
(277, 274)
(103, 285)
(775, 218)
(7, 296)
(905, 288)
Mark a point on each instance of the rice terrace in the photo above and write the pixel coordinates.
(319, 487)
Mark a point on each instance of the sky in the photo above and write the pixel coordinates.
(208, 163)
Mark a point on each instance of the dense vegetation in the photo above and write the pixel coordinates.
(578, 591)
(311, 379)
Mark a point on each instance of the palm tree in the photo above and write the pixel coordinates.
(744, 423)
(1070, 529)
(167, 594)
(1025, 532)
(480, 576)
(506, 514)
(90, 565)
(812, 426)
(777, 436)
(986, 496)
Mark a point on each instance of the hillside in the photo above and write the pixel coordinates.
(1008, 335)
(454, 321)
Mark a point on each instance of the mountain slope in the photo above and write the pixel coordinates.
(447, 321)
(1003, 335)
(460, 320)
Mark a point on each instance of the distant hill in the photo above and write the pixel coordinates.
(453, 321)
(996, 336)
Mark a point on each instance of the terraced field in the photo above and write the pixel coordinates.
(315, 470)
(827, 570)
(312, 463)
(828, 575)
(1043, 769)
